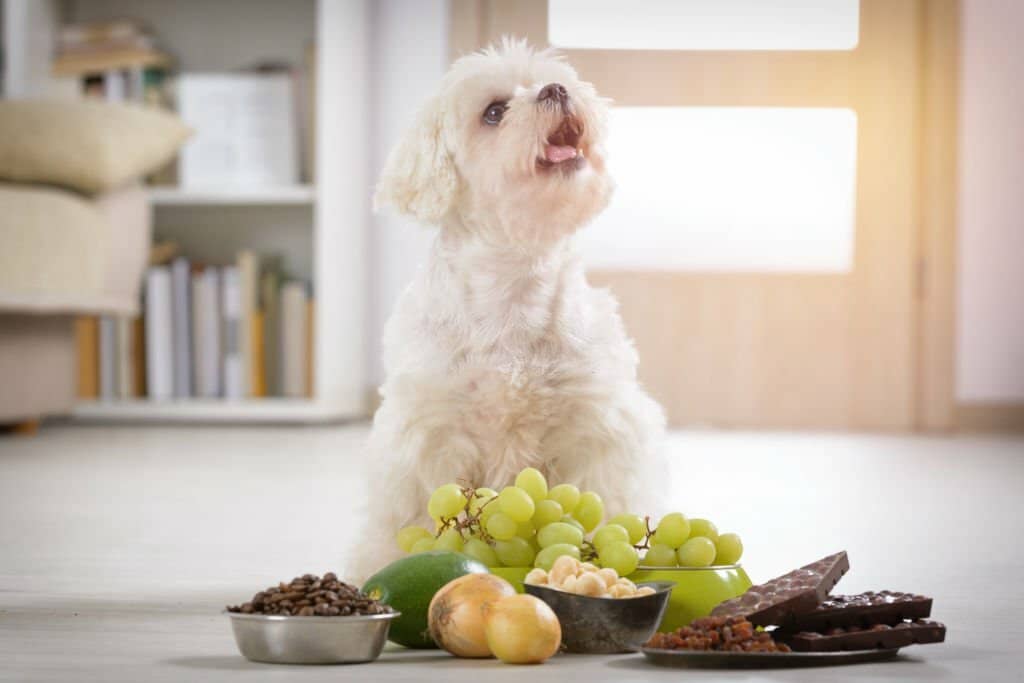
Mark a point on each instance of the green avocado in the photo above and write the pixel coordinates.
(409, 584)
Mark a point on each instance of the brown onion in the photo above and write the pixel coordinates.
(456, 613)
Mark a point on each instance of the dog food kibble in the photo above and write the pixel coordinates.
(312, 596)
(729, 634)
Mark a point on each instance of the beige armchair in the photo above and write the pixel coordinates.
(61, 255)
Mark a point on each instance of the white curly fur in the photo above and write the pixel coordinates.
(499, 355)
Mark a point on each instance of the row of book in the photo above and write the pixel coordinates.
(234, 331)
(117, 61)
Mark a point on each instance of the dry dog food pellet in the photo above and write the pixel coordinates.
(312, 596)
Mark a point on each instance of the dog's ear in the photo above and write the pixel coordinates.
(419, 177)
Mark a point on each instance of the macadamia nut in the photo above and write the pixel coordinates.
(564, 566)
(584, 578)
(537, 577)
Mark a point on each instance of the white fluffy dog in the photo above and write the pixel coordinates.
(499, 355)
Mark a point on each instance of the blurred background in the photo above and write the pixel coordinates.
(816, 241)
(816, 224)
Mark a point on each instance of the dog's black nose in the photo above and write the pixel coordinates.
(553, 91)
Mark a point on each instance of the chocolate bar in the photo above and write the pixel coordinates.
(799, 592)
(882, 636)
(863, 609)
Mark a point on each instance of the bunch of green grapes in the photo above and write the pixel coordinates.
(528, 524)
(678, 541)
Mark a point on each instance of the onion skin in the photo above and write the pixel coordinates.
(456, 613)
(522, 629)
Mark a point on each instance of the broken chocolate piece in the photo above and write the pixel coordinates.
(920, 631)
(864, 609)
(799, 592)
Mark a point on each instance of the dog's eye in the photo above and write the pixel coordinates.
(494, 112)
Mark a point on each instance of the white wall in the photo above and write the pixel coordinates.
(410, 54)
(990, 334)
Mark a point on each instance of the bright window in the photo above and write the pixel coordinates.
(728, 189)
(704, 24)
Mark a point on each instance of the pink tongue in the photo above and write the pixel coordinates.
(556, 153)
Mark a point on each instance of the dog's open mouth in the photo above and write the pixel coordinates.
(562, 147)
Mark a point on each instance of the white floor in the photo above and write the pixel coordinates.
(119, 546)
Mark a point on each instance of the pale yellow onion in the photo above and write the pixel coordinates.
(522, 629)
(456, 613)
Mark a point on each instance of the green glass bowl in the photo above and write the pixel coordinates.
(513, 575)
(698, 590)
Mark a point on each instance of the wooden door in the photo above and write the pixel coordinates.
(778, 349)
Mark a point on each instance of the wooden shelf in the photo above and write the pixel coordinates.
(262, 196)
(210, 410)
(320, 237)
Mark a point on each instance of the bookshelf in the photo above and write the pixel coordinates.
(320, 235)
(261, 410)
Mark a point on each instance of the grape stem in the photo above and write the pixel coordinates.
(646, 544)
(470, 522)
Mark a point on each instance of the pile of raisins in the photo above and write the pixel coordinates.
(723, 634)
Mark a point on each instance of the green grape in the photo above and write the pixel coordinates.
(589, 511)
(673, 529)
(422, 545)
(634, 524)
(515, 552)
(489, 509)
(559, 533)
(447, 501)
(620, 556)
(660, 555)
(480, 496)
(501, 526)
(702, 527)
(569, 519)
(547, 556)
(728, 549)
(565, 495)
(696, 552)
(450, 539)
(480, 551)
(409, 535)
(534, 483)
(608, 534)
(516, 503)
(525, 530)
(547, 512)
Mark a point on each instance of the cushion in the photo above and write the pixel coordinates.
(61, 253)
(86, 146)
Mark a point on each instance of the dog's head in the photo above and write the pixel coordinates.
(512, 146)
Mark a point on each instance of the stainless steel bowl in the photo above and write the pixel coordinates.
(310, 640)
(606, 625)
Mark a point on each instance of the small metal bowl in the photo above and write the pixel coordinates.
(606, 625)
(310, 640)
